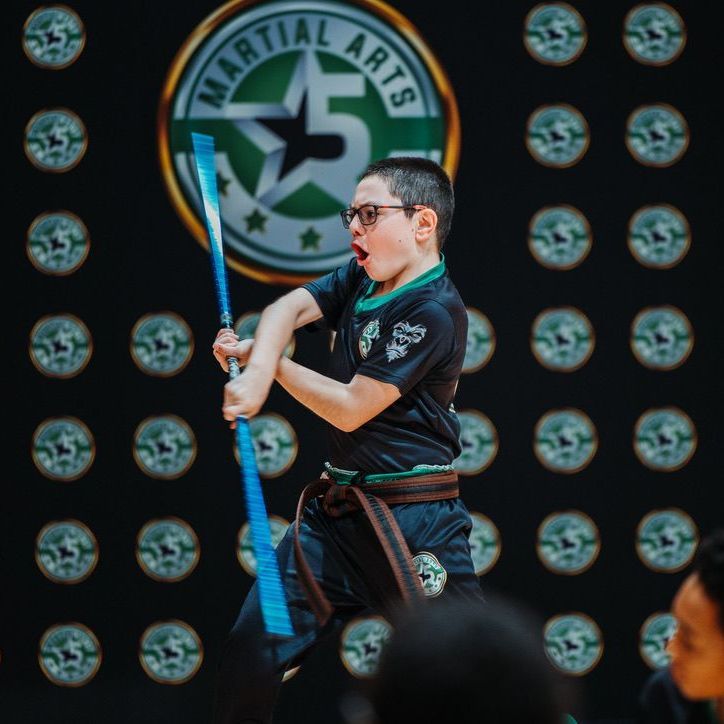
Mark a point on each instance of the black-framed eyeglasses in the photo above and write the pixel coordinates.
(367, 214)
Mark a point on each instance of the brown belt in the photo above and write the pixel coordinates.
(374, 499)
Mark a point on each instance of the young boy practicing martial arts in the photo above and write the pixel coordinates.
(387, 504)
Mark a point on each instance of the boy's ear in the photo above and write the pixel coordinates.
(426, 224)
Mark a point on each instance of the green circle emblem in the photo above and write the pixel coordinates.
(573, 643)
(661, 337)
(654, 34)
(485, 545)
(658, 236)
(361, 645)
(562, 339)
(479, 442)
(57, 243)
(167, 549)
(275, 444)
(555, 33)
(299, 98)
(63, 448)
(69, 654)
(657, 135)
(656, 632)
(53, 37)
(559, 237)
(245, 548)
(245, 328)
(431, 573)
(568, 543)
(161, 344)
(164, 447)
(557, 135)
(480, 343)
(565, 441)
(664, 439)
(66, 551)
(666, 540)
(170, 652)
(60, 346)
(55, 140)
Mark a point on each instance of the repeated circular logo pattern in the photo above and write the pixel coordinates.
(170, 652)
(161, 344)
(485, 543)
(656, 632)
(557, 135)
(275, 444)
(245, 328)
(57, 243)
(479, 442)
(361, 644)
(53, 37)
(666, 540)
(60, 346)
(559, 237)
(657, 135)
(55, 140)
(565, 440)
(562, 339)
(661, 337)
(554, 33)
(573, 643)
(69, 654)
(654, 34)
(164, 447)
(431, 573)
(659, 236)
(245, 548)
(167, 549)
(66, 551)
(63, 448)
(665, 439)
(480, 343)
(568, 543)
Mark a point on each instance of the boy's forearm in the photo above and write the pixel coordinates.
(276, 325)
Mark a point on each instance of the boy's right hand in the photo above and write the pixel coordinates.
(227, 344)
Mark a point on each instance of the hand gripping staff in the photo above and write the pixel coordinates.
(271, 594)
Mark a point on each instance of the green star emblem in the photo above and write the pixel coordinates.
(256, 221)
(310, 239)
(222, 182)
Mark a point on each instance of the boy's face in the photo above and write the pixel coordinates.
(386, 247)
(697, 649)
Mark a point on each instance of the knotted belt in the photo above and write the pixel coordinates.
(374, 499)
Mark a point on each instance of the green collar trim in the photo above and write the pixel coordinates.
(367, 302)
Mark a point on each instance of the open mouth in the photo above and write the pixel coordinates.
(359, 251)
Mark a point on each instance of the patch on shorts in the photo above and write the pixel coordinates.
(432, 575)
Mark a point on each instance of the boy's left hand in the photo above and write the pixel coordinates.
(245, 395)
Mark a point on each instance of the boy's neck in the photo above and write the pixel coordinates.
(411, 272)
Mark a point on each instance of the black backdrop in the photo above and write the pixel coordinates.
(142, 259)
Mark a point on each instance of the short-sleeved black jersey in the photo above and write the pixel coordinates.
(413, 338)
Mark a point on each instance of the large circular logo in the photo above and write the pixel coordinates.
(66, 551)
(170, 652)
(60, 346)
(666, 540)
(167, 549)
(431, 573)
(573, 643)
(69, 654)
(664, 439)
(63, 448)
(659, 236)
(299, 98)
(557, 135)
(656, 632)
(361, 645)
(568, 543)
(161, 344)
(562, 339)
(275, 444)
(55, 140)
(657, 135)
(485, 544)
(559, 237)
(661, 337)
(554, 33)
(479, 442)
(53, 37)
(245, 548)
(565, 441)
(245, 328)
(654, 34)
(480, 343)
(164, 447)
(57, 243)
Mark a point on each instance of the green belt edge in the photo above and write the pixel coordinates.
(348, 477)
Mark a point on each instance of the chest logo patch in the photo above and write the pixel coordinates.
(404, 335)
(369, 334)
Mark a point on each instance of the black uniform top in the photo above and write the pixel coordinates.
(413, 338)
(662, 703)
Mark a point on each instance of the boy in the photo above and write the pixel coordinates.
(389, 491)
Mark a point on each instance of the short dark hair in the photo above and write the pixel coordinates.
(418, 181)
(709, 567)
